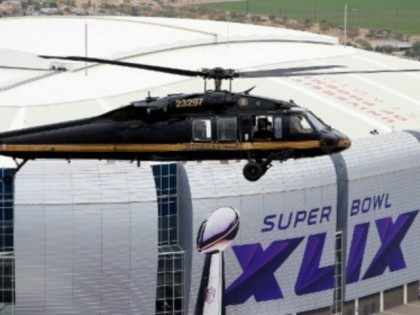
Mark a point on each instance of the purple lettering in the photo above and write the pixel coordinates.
(313, 278)
(357, 251)
(313, 216)
(325, 213)
(391, 235)
(270, 225)
(355, 206)
(387, 204)
(284, 227)
(258, 267)
(377, 201)
(366, 204)
(300, 217)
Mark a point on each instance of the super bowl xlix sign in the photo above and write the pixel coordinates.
(259, 263)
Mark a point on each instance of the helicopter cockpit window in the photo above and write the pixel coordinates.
(201, 129)
(318, 125)
(278, 128)
(227, 129)
(263, 127)
(300, 125)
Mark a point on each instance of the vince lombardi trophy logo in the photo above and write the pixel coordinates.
(214, 236)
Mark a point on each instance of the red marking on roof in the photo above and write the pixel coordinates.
(351, 97)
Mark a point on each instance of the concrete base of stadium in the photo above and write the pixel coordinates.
(404, 300)
(412, 308)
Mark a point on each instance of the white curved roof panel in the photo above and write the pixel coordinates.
(353, 103)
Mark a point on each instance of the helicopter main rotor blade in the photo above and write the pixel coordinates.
(188, 73)
(220, 73)
(282, 72)
(296, 74)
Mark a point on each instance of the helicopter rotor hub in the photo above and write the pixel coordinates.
(219, 73)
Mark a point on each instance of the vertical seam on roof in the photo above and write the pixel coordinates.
(342, 208)
(384, 65)
(28, 80)
(182, 28)
(19, 119)
(113, 19)
(386, 89)
(342, 189)
(414, 133)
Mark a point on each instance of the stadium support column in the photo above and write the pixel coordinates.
(356, 307)
(381, 301)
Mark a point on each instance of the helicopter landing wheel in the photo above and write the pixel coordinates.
(265, 164)
(253, 171)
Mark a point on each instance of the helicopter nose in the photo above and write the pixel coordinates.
(334, 142)
(344, 143)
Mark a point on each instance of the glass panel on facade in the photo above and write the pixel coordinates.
(165, 180)
(7, 260)
(170, 289)
(6, 280)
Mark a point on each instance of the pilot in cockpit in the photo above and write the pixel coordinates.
(264, 129)
(297, 125)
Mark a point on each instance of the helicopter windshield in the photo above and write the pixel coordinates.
(317, 124)
(299, 125)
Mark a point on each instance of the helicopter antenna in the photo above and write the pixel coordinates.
(86, 47)
(249, 90)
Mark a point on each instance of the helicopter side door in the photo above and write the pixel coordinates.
(226, 129)
(217, 137)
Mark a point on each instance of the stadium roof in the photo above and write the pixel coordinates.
(31, 94)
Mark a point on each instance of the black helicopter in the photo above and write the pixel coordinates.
(213, 125)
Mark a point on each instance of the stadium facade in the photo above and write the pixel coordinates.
(325, 235)
(318, 235)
